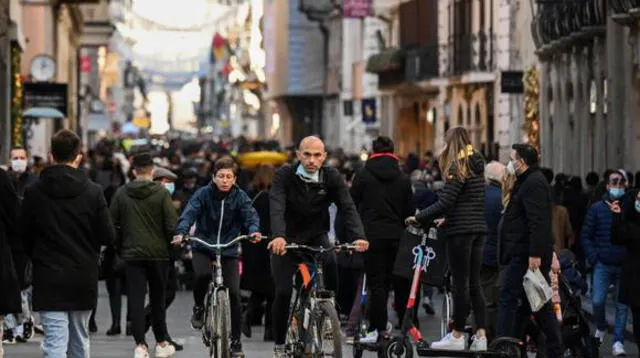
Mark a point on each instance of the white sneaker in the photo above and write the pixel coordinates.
(166, 351)
(371, 337)
(478, 344)
(141, 352)
(618, 350)
(600, 335)
(450, 343)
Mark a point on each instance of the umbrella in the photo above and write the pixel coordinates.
(43, 112)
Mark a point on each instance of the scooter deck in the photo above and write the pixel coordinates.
(428, 352)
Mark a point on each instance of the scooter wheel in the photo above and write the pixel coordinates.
(397, 348)
(508, 349)
(357, 352)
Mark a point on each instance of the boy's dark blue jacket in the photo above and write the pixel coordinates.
(205, 209)
(596, 234)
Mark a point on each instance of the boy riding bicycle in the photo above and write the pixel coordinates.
(221, 211)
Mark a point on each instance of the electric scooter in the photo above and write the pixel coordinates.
(400, 346)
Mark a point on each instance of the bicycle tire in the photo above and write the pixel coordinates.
(327, 313)
(447, 312)
(222, 318)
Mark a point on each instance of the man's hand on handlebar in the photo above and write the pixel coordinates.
(278, 246)
(178, 240)
(255, 238)
(362, 245)
(411, 221)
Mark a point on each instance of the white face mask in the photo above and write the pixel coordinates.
(19, 165)
(511, 168)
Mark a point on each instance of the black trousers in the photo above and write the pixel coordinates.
(514, 310)
(378, 263)
(139, 274)
(115, 288)
(465, 263)
(231, 277)
(169, 293)
(282, 269)
(635, 312)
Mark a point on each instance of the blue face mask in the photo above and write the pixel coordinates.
(312, 177)
(616, 193)
(637, 205)
(171, 187)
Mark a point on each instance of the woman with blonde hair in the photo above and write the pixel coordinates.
(461, 202)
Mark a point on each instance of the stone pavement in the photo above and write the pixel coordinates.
(178, 320)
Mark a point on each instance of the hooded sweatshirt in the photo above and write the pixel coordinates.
(383, 195)
(145, 220)
(63, 222)
(461, 202)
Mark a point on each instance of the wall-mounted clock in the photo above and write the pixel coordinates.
(43, 68)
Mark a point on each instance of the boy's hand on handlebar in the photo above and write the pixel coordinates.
(256, 237)
(277, 246)
(439, 222)
(361, 245)
(178, 240)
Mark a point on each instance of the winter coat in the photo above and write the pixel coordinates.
(526, 225)
(256, 264)
(215, 213)
(461, 202)
(595, 235)
(625, 232)
(300, 210)
(145, 220)
(383, 196)
(63, 222)
(492, 215)
(10, 250)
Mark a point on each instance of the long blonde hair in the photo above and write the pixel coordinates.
(457, 151)
(508, 182)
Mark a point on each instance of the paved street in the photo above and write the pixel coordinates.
(178, 316)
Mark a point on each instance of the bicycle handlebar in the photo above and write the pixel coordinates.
(320, 249)
(220, 246)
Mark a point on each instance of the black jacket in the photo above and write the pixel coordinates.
(63, 222)
(9, 248)
(383, 196)
(300, 210)
(625, 231)
(461, 202)
(526, 227)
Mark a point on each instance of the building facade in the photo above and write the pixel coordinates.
(588, 85)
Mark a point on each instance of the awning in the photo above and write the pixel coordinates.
(99, 122)
(391, 59)
(42, 112)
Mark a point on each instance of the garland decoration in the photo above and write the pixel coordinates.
(532, 105)
(17, 123)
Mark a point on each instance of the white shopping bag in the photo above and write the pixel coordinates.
(537, 289)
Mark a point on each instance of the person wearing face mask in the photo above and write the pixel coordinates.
(19, 171)
(606, 258)
(145, 220)
(189, 187)
(625, 231)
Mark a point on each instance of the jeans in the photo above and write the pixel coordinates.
(66, 334)
(139, 274)
(378, 265)
(231, 278)
(465, 262)
(282, 270)
(514, 310)
(603, 276)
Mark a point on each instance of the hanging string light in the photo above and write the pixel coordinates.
(17, 137)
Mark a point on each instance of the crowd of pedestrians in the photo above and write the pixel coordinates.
(120, 216)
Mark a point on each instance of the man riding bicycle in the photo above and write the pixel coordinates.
(219, 210)
(299, 203)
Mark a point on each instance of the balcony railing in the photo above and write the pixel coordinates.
(461, 53)
(470, 52)
(422, 63)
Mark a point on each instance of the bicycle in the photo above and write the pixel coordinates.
(217, 311)
(313, 319)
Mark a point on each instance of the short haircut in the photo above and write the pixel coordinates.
(494, 170)
(592, 179)
(65, 146)
(383, 144)
(225, 162)
(527, 153)
(548, 174)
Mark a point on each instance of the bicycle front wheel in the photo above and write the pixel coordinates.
(327, 332)
(222, 326)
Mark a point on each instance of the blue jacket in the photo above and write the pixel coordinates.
(492, 214)
(206, 211)
(596, 235)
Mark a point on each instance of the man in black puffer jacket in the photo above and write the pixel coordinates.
(383, 196)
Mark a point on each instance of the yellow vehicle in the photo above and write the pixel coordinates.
(254, 159)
